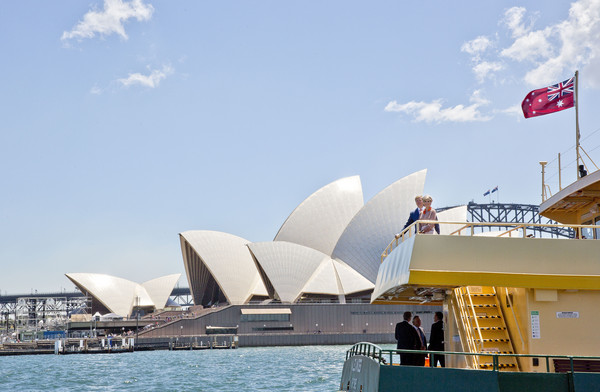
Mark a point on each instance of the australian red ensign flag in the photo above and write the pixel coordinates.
(549, 99)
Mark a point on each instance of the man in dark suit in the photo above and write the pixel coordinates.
(436, 339)
(407, 338)
(420, 358)
(414, 216)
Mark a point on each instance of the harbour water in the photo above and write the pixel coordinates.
(275, 369)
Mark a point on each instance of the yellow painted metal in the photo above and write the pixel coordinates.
(464, 330)
(487, 337)
(542, 281)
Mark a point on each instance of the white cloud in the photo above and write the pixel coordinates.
(110, 20)
(477, 46)
(513, 19)
(485, 68)
(152, 80)
(557, 51)
(477, 98)
(514, 110)
(433, 111)
(96, 90)
(533, 46)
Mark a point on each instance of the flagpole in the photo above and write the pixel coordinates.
(577, 136)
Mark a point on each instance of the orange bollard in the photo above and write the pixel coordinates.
(427, 360)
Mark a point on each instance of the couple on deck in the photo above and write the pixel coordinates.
(424, 211)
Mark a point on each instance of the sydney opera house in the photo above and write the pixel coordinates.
(329, 249)
(315, 277)
(123, 297)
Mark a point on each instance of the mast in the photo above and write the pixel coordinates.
(577, 136)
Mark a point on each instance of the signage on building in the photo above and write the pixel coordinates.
(535, 325)
(567, 314)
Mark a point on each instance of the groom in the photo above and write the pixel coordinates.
(414, 216)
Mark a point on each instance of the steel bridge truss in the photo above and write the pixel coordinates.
(511, 214)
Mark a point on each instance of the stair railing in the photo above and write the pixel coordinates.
(512, 308)
(467, 325)
(475, 318)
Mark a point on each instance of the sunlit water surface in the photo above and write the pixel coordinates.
(307, 369)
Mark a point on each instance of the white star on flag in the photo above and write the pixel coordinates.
(559, 103)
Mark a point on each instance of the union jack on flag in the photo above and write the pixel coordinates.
(554, 98)
(561, 89)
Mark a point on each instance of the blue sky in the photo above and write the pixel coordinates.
(125, 123)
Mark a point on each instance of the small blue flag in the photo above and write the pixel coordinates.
(486, 193)
(495, 189)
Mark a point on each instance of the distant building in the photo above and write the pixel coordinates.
(123, 297)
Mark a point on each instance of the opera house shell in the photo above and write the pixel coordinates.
(329, 248)
(122, 297)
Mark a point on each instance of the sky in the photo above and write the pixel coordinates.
(124, 123)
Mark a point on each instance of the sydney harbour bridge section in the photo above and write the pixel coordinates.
(511, 214)
(46, 311)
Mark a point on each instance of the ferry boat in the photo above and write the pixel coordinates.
(520, 311)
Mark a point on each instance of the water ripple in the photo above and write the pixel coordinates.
(306, 369)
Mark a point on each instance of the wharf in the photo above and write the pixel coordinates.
(114, 345)
(68, 346)
(27, 348)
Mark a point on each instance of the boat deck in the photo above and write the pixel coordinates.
(508, 258)
(369, 368)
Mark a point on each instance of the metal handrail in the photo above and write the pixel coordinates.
(467, 329)
(495, 356)
(468, 293)
(409, 231)
(366, 349)
(512, 308)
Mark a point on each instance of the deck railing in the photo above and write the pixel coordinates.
(392, 357)
(519, 230)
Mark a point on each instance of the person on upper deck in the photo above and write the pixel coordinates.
(428, 213)
(414, 216)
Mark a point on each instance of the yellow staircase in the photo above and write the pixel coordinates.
(482, 327)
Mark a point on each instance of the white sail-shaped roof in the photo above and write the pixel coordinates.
(288, 266)
(372, 228)
(120, 295)
(351, 281)
(116, 294)
(294, 270)
(336, 278)
(227, 259)
(456, 214)
(319, 220)
(160, 289)
(324, 280)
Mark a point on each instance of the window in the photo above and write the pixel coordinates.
(264, 329)
(265, 317)
(221, 330)
(587, 233)
(261, 314)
